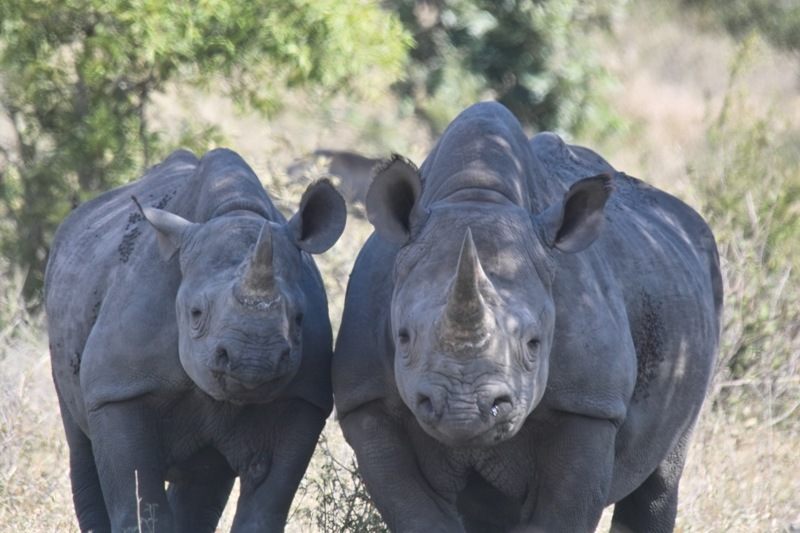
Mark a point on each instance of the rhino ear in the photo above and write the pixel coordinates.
(573, 224)
(320, 220)
(170, 229)
(391, 198)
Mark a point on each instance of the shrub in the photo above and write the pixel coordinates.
(748, 187)
(340, 500)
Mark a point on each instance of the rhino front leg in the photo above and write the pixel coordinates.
(86, 492)
(574, 461)
(391, 472)
(126, 441)
(198, 503)
(653, 506)
(270, 477)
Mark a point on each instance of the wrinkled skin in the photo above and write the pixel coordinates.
(527, 337)
(191, 344)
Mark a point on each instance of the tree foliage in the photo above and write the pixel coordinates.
(535, 57)
(77, 77)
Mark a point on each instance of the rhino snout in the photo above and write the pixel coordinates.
(252, 366)
(465, 418)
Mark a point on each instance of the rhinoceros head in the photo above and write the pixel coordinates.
(472, 311)
(241, 301)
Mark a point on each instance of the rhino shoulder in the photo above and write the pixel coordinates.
(593, 363)
(364, 354)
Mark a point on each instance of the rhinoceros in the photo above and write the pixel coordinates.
(191, 344)
(527, 337)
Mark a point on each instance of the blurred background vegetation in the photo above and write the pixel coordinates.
(699, 97)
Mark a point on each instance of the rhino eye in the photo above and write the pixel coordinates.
(403, 336)
(198, 318)
(296, 329)
(532, 353)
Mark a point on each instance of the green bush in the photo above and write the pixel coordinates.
(536, 58)
(748, 185)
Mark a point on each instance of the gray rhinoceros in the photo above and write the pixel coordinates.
(523, 345)
(193, 351)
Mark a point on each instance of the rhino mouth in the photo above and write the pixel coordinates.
(231, 389)
(254, 380)
(476, 429)
(470, 436)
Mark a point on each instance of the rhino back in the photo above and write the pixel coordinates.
(485, 149)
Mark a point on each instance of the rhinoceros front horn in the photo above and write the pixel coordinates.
(466, 318)
(257, 282)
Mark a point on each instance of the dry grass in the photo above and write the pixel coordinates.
(741, 477)
(34, 478)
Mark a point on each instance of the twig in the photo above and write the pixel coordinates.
(138, 503)
(784, 416)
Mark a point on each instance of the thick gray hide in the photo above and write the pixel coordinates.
(190, 343)
(527, 337)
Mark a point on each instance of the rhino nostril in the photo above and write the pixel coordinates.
(425, 407)
(502, 405)
(284, 360)
(221, 356)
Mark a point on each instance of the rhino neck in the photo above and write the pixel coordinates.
(483, 156)
(482, 187)
(224, 183)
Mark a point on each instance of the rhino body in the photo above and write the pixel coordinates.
(190, 343)
(527, 337)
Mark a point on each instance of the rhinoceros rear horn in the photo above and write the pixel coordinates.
(466, 310)
(258, 281)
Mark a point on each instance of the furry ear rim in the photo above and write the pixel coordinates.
(320, 219)
(392, 198)
(573, 224)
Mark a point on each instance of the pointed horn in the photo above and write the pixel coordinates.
(258, 281)
(466, 309)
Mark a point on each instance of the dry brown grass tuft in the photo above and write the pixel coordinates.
(34, 476)
(741, 477)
